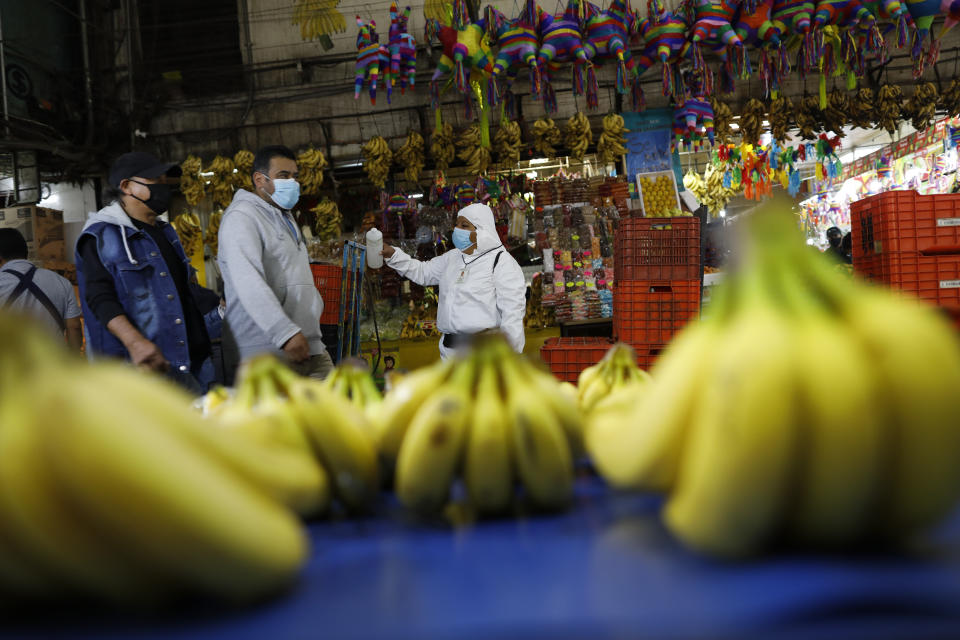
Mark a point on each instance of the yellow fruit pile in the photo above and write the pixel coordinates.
(616, 370)
(578, 136)
(659, 197)
(113, 489)
(377, 158)
(507, 143)
(243, 163)
(329, 221)
(473, 415)
(222, 180)
(187, 226)
(546, 137)
(311, 163)
(317, 18)
(472, 151)
(612, 143)
(192, 184)
(442, 148)
(211, 236)
(741, 423)
(353, 382)
(410, 157)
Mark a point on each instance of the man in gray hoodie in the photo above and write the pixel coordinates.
(273, 305)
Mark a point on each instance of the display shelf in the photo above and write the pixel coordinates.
(605, 569)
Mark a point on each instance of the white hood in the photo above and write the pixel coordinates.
(481, 216)
(113, 213)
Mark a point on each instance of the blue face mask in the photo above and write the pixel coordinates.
(286, 192)
(461, 239)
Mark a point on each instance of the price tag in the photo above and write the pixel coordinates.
(950, 284)
(948, 222)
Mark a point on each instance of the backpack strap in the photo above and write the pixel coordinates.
(496, 260)
(27, 284)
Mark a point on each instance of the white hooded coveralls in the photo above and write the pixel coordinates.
(473, 296)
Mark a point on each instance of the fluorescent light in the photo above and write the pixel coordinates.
(416, 195)
(723, 213)
(347, 165)
(532, 175)
(734, 126)
(537, 161)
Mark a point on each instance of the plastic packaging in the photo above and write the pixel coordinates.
(374, 247)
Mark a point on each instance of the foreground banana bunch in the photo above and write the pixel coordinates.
(113, 489)
(314, 429)
(489, 415)
(352, 380)
(616, 370)
(808, 409)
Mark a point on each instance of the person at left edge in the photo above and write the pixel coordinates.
(273, 305)
(135, 278)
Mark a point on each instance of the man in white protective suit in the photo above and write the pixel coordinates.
(482, 287)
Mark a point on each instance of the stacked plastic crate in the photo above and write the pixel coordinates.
(657, 290)
(910, 242)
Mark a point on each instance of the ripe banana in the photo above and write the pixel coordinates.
(433, 445)
(377, 159)
(507, 143)
(617, 368)
(612, 143)
(442, 148)
(212, 233)
(318, 18)
(410, 157)
(193, 186)
(328, 223)
(311, 163)
(578, 135)
(546, 137)
(488, 469)
(243, 163)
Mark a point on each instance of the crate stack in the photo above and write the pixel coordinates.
(657, 291)
(910, 242)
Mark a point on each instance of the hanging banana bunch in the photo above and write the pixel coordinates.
(472, 151)
(192, 184)
(410, 157)
(781, 117)
(612, 143)
(187, 226)
(507, 143)
(311, 163)
(715, 196)
(836, 114)
(863, 109)
(722, 118)
(243, 163)
(889, 106)
(950, 99)
(921, 108)
(442, 148)
(317, 18)
(377, 158)
(578, 135)
(546, 137)
(212, 233)
(695, 184)
(328, 220)
(221, 181)
(808, 115)
(751, 122)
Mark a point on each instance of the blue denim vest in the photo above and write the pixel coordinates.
(144, 288)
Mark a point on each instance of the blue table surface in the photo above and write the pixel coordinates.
(605, 569)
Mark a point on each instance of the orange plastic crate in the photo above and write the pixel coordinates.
(326, 277)
(898, 221)
(658, 249)
(567, 357)
(650, 312)
(647, 354)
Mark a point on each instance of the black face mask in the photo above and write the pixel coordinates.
(159, 200)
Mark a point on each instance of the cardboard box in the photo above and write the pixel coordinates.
(41, 227)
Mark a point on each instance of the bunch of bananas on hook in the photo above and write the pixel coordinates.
(507, 143)
(192, 184)
(578, 135)
(317, 18)
(546, 137)
(187, 226)
(442, 148)
(410, 156)
(377, 159)
(472, 151)
(311, 163)
(243, 163)
(612, 143)
(222, 180)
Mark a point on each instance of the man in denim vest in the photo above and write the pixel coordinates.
(135, 278)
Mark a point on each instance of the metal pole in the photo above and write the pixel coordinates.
(87, 81)
(3, 83)
(129, 20)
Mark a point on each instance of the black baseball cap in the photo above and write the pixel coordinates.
(140, 164)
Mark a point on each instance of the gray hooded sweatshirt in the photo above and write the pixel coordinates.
(267, 279)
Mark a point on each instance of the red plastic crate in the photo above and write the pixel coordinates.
(658, 249)
(898, 221)
(650, 312)
(327, 277)
(647, 354)
(567, 357)
(933, 278)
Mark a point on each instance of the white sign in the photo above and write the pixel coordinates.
(950, 284)
(948, 222)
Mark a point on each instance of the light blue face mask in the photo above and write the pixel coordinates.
(461, 239)
(286, 192)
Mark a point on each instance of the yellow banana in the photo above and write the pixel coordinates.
(488, 472)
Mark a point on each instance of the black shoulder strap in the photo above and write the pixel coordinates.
(27, 284)
(496, 260)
